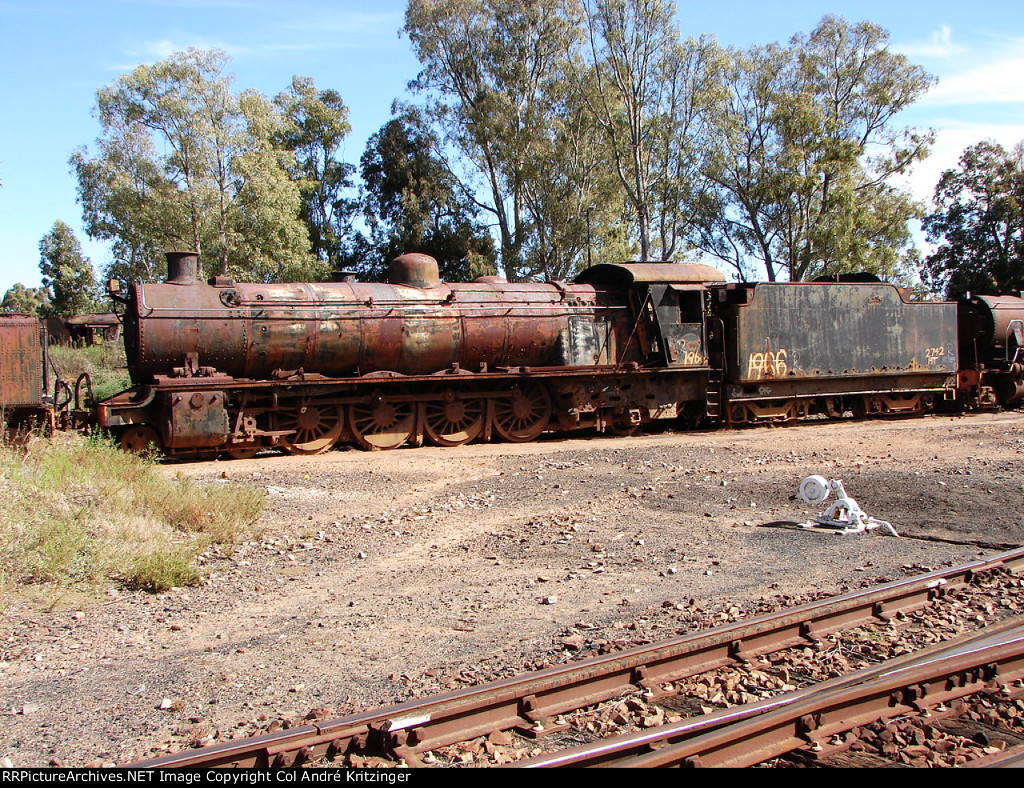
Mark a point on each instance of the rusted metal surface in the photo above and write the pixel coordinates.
(94, 328)
(622, 750)
(195, 418)
(353, 329)
(260, 411)
(1002, 323)
(371, 349)
(972, 667)
(524, 702)
(801, 331)
(679, 317)
(992, 348)
(22, 358)
(415, 270)
(307, 365)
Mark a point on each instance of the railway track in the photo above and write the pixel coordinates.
(814, 722)
(537, 706)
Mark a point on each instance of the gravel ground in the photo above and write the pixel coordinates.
(379, 576)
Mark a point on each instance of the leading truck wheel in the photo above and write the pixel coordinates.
(140, 439)
(522, 414)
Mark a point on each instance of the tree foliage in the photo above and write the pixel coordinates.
(978, 223)
(68, 276)
(807, 147)
(413, 203)
(777, 160)
(315, 128)
(26, 300)
(496, 69)
(651, 97)
(185, 163)
(572, 129)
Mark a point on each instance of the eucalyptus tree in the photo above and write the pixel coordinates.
(68, 276)
(651, 97)
(316, 125)
(26, 300)
(808, 149)
(184, 162)
(494, 70)
(412, 202)
(978, 223)
(575, 203)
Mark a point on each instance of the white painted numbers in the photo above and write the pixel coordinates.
(770, 364)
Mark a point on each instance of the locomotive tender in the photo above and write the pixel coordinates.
(240, 367)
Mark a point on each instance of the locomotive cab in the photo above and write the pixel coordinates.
(670, 303)
(679, 331)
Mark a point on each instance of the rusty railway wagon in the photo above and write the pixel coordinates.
(235, 368)
(25, 395)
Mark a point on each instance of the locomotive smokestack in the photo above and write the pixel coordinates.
(414, 270)
(182, 268)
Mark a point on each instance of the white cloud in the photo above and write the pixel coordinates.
(160, 50)
(939, 45)
(951, 140)
(150, 52)
(995, 82)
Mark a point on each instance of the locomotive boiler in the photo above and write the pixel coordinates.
(224, 366)
(239, 367)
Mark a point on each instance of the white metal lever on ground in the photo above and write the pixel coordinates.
(844, 516)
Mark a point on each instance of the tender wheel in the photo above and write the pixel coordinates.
(523, 414)
(378, 424)
(861, 407)
(140, 439)
(452, 421)
(315, 428)
(834, 407)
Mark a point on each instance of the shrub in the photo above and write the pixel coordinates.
(79, 511)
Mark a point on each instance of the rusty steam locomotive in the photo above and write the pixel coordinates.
(230, 367)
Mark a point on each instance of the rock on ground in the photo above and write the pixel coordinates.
(378, 576)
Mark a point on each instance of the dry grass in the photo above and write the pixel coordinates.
(105, 365)
(79, 512)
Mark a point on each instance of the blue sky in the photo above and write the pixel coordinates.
(56, 54)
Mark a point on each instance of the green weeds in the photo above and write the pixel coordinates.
(105, 365)
(79, 513)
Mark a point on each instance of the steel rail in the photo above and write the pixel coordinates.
(810, 723)
(531, 703)
(1010, 758)
(618, 750)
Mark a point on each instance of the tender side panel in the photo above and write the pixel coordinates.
(813, 330)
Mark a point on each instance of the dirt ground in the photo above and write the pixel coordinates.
(378, 576)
